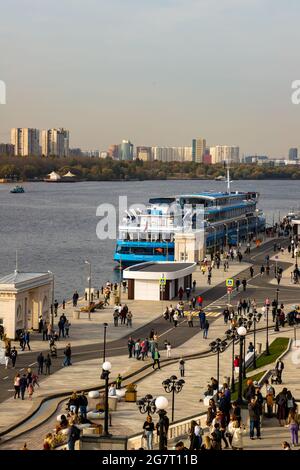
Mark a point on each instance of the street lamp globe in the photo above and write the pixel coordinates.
(161, 403)
(106, 366)
(242, 331)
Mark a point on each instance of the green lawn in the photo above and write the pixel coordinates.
(277, 347)
(255, 377)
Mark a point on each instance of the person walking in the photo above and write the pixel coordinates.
(83, 403)
(169, 349)
(205, 329)
(116, 316)
(182, 367)
(254, 415)
(41, 324)
(27, 340)
(244, 282)
(190, 319)
(251, 271)
(55, 307)
(13, 356)
(293, 424)
(196, 433)
(130, 345)
(45, 328)
(279, 369)
(23, 385)
(129, 319)
(30, 390)
(61, 328)
(67, 328)
(282, 410)
(156, 357)
(40, 360)
(17, 386)
(148, 428)
(48, 363)
(67, 355)
(237, 284)
(175, 319)
(75, 298)
(74, 435)
(7, 356)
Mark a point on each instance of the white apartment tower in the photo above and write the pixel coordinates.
(55, 142)
(26, 141)
(227, 153)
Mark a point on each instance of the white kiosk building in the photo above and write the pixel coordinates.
(145, 279)
(23, 298)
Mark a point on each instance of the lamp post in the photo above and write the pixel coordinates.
(256, 319)
(172, 385)
(267, 333)
(52, 301)
(161, 404)
(147, 405)
(104, 343)
(232, 335)
(241, 331)
(277, 303)
(237, 233)
(106, 368)
(90, 280)
(215, 239)
(218, 346)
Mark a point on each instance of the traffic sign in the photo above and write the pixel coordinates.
(162, 281)
(229, 282)
(229, 289)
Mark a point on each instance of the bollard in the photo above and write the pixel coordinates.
(259, 348)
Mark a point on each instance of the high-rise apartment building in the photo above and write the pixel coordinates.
(55, 142)
(144, 153)
(113, 151)
(198, 149)
(172, 154)
(7, 149)
(25, 141)
(225, 153)
(126, 150)
(293, 154)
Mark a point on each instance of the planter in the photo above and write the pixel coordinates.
(130, 396)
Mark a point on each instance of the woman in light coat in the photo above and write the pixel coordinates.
(237, 436)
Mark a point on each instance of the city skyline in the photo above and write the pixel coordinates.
(160, 73)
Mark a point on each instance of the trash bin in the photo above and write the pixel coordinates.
(76, 314)
(112, 403)
(259, 346)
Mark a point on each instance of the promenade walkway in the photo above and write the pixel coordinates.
(128, 420)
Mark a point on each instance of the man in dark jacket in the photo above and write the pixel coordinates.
(40, 360)
(254, 415)
(83, 403)
(23, 385)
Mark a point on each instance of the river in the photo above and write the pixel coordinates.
(53, 226)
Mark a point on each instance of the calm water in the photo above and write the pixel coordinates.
(53, 226)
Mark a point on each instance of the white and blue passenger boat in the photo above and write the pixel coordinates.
(151, 234)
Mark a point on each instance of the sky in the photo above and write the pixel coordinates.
(157, 72)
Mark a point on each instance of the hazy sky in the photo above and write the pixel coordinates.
(158, 72)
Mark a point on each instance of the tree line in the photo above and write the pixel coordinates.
(95, 169)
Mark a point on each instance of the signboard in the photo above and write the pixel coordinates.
(229, 282)
(162, 288)
(162, 281)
